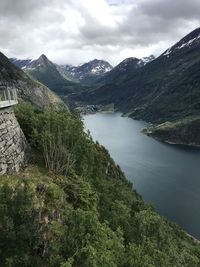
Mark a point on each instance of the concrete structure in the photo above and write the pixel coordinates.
(8, 97)
(14, 149)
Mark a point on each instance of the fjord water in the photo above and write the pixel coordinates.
(168, 176)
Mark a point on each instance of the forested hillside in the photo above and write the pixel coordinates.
(74, 207)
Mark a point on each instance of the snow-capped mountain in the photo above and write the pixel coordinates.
(165, 89)
(189, 42)
(133, 63)
(26, 64)
(20, 63)
(128, 63)
(45, 71)
(30, 63)
(67, 71)
(127, 66)
(86, 73)
(144, 60)
(95, 67)
(41, 62)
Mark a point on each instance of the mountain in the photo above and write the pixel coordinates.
(63, 79)
(94, 67)
(145, 60)
(20, 63)
(27, 89)
(67, 71)
(166, 88)
(121, 71)
(46, 72)
(87, 73)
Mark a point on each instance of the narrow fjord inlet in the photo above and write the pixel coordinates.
(165, 175)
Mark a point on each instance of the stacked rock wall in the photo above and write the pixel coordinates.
(14, 148)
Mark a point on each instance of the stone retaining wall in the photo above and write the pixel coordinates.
(14, 149)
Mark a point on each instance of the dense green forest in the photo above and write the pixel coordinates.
(72, 206)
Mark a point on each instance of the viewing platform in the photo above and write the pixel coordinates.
(8, 97)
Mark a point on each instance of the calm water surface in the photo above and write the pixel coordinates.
(167, 176)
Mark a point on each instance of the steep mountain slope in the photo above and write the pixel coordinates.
(67, 72)
(121, 71)
(27, 89)
(87, 73)
(165, 89)
(46, 72)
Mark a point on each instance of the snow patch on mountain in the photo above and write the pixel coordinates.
(100, 69)
(146, 60)
(189, 42)
(182, 44)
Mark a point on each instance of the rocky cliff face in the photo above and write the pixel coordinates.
(14, 149)
(27, 89)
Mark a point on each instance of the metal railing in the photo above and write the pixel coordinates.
(8, 97)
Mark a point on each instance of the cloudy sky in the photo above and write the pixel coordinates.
(76, 31)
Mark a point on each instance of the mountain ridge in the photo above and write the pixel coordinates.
(126, 66)
(85, 73)
(152, 92)
(27, 89)
(46, 72)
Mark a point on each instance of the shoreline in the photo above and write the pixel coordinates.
(94, 109)
(109, 110)
(173, 143)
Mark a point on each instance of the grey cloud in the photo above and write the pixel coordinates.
(172, 8)
(20, 9)
(148, 23)
(30, 27)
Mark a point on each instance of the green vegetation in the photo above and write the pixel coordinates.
(165, 89)
(90, 109)
(184, 131)
(74, 207)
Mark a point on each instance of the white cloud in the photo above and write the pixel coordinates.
(76, 31)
